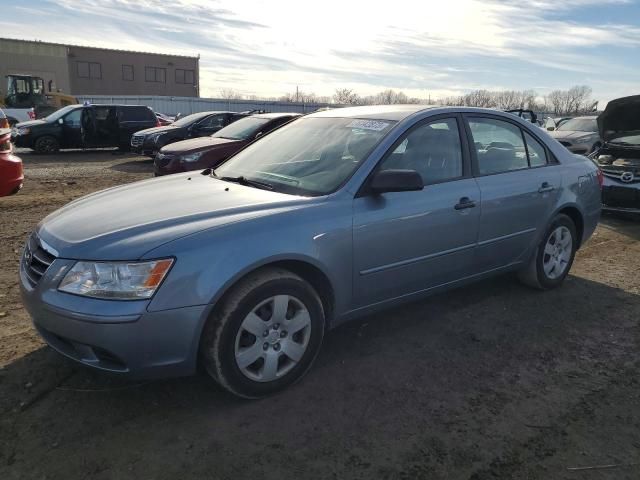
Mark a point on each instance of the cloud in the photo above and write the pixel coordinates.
(266, 48)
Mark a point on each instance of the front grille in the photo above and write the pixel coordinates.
(616, 174)
(566, 144)
(35, 260)
(163, 160)
(137, 140)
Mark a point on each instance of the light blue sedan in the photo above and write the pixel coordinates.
(336, 215)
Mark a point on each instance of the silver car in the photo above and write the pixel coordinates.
(338, 214)
(580, 135)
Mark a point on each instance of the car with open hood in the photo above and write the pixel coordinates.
(579, 135)
(151, 140)
(208, 152)
(619, 157)
(243, 268)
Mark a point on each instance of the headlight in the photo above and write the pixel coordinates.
(23, 131)
(192, 157)
(116, 280)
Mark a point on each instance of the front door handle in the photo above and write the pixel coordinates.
(465, 202)
(546, 187)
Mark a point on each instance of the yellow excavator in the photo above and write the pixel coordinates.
(26, 99)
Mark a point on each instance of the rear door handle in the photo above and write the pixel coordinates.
(546, 187)
(465, 202)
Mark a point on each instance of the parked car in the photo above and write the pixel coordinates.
(211, 151)
(11, 174)
(619, 157)
(150, 141)
(580, 135)
(333, 216)
(552, 123)
(84, 126)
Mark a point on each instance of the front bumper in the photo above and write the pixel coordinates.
(120, 337)
(620, 197)
(142, 146)
(165, 164)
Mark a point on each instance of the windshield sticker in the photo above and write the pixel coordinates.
(369, 125)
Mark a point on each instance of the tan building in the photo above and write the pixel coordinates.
(99, 71)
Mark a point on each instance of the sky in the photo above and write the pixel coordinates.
(424, 48)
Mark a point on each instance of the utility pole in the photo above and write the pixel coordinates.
(297, 94)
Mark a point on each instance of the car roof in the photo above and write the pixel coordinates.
(276, 115)
(379, 112)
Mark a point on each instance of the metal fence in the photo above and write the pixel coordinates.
(187, 105)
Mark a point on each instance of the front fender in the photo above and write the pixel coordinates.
(208, 263)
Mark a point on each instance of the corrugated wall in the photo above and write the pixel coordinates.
(187, 105)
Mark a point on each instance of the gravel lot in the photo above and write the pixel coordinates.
(489, 381)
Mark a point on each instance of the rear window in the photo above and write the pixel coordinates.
(136, 114)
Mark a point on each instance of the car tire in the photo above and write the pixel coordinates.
(46, 144)
(553, 257)
(264, 335)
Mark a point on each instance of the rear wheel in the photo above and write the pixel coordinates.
(46, 144)
(554, 256)
(265, 334)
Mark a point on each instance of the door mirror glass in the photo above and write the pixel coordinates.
(396, 181)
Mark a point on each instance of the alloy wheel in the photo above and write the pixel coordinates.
(557, 252)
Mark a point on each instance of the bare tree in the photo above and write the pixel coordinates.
(230, 94)
(346, 96)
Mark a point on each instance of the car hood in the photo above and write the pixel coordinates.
(195, 144)
(621, 118)
(123, 223)
(570, 134)
(163, 129)
(30, 123)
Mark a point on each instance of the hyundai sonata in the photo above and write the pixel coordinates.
(340, 213)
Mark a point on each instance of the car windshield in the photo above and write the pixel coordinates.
(189, 119)
(242, 129)
(579, 125)
(627, 140)
(60, 113)
(311, 156)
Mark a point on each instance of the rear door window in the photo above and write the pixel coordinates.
(498, 145)
(136, 113)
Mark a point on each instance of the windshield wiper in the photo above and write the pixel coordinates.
(246, 181)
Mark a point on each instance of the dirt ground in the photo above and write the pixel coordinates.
(490, 381)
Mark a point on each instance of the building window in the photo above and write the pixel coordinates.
(127, 73)
(89, 70)
(185, 76)
(154, 74)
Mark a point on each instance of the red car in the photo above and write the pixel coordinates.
(209, 152)
(11, 175)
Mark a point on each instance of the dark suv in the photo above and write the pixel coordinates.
(150, 141)
(84, 126)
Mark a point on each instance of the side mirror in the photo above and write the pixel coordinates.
(60, 121)
(396, 181)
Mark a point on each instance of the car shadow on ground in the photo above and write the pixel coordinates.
(626, 224)
(460, 372)
(137, 165)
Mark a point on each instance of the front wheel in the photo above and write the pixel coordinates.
(46, 144)
(264, 335)
(554, 256)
